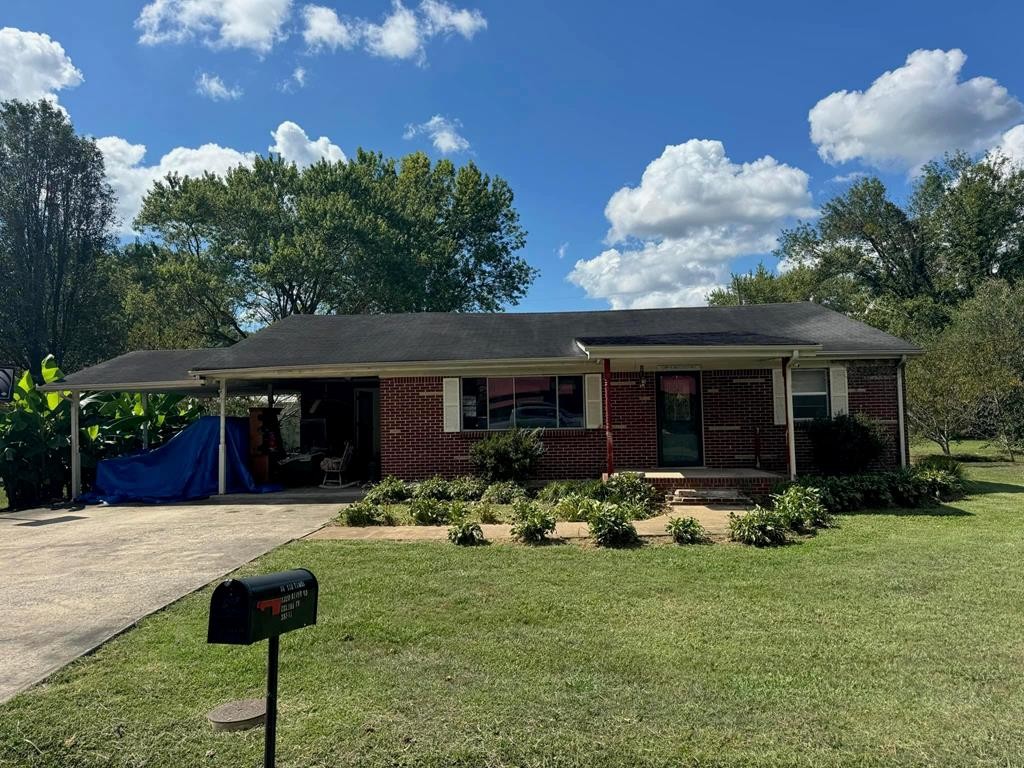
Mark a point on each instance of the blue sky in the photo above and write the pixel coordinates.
(569, 101)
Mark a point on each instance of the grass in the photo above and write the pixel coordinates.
(893, 640)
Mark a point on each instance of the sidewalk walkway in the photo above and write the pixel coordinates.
(715, 520)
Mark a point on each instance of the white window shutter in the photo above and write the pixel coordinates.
(779, 396)
(452, 406)
(838, 390)
(592, 385)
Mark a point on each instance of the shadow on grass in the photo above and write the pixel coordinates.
(938, 510)
(977, 487)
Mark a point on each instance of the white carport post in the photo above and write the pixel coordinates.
(76, 450)
(222, 454)
(790, 425)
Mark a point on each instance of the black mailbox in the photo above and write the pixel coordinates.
(245, 611)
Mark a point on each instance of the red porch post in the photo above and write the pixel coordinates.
(607, 387)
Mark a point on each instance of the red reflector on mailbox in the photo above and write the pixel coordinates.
(245, 611)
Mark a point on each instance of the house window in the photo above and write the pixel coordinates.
(524, 401)
(810, 394)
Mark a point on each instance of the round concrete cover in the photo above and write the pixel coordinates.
(238, 715)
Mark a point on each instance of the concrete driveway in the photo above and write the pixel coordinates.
(72, 579)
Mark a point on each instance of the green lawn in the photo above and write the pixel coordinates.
(893, 640)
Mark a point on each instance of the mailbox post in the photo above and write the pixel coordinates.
(246, 611)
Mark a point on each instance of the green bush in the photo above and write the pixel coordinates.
(760, 527)
(845, 445)
(362, 513)
(686, 530)
(466, 533)
(611, 526)
(941, 462)
(801, 508)
(632, 488)
(436, 488)
(486, 513)
(504, 492)
(429, 512)
(559, 489)
(466, 488)
(575, 508)
(533, 524)
(390, 490)
(509, 455)
(910, 487)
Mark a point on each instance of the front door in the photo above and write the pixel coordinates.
(680, 441)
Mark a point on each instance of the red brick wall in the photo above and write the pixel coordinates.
(737, 404)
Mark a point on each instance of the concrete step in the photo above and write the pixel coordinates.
(703, 496)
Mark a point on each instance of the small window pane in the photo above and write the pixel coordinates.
(810, 406)
(536, 404)
(474, 403)
(810, 380)
(570, 401)
(500, 403)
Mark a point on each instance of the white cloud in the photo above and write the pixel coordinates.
(292, 143)
(253, 24)
(1011, 144)
(913, 114)
(401, 34)
(323, 29)
(444, 19)
(34, 66)
(443, 133)
(562, 250)
(397, 37)
(131, 179)
(846, 178)
(212, 87)
(694, 211)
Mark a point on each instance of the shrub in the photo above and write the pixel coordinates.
(466, 533)
(504, 492)
(509, 455)
(390, 490)
(435, 487)
(759, 527)
(466, 488)
(801, 508)
(429, 512)
(576, 508)
(941, 484)
(486, 513)
(559, 489)
(845, 445)
(686, 530)
(362, 513)
(533, 524)
(611, 526)
(632, 488)
(941, 462)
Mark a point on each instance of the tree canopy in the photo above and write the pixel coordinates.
(56, 212)
(232, 253)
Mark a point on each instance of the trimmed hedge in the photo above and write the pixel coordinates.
(910, 487)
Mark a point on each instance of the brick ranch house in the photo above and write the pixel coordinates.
(705, 397)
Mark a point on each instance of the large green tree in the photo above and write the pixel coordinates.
(56, 212)
(229, 254)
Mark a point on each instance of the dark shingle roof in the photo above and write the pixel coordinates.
(302, 340)
(307, 340)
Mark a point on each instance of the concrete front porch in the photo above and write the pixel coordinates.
(750, 481)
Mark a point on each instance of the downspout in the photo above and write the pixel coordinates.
(606, 380)
(899, 410)
(787, 386)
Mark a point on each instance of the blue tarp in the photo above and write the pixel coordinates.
(185, 467)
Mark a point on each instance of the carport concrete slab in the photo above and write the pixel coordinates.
(71, 584)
